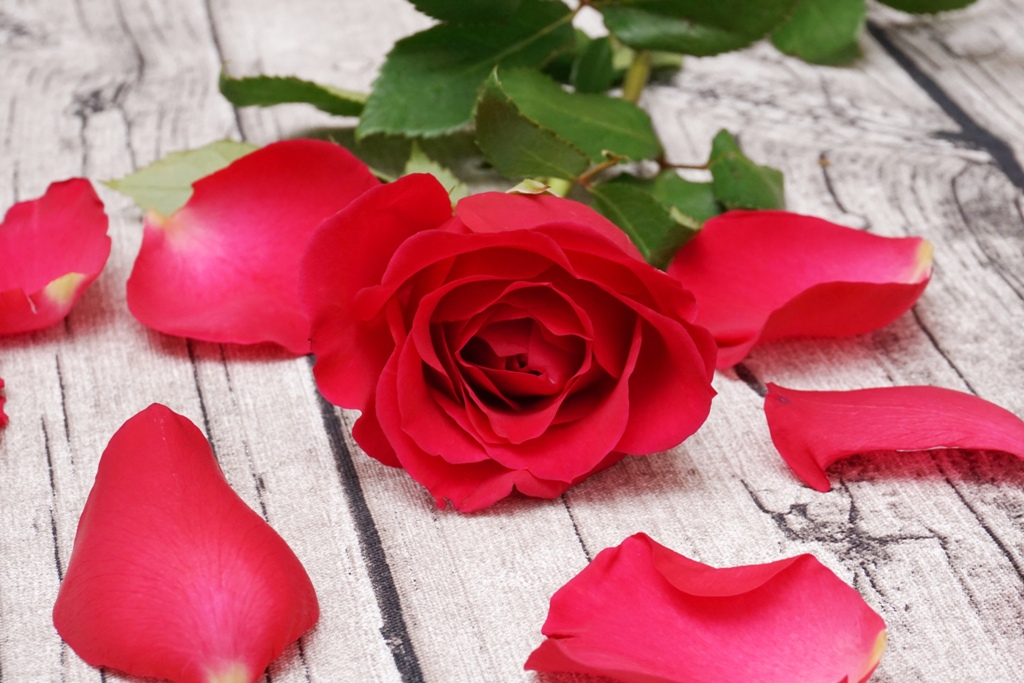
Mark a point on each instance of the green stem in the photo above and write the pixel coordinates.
(662, 164)
(593, 171)
(637, 76)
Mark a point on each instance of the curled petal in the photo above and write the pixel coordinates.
(224, 267)
(813, 429)
(51, 249)
(172, 575)
(642, 613)
(468, 485)
(500, 212)
(762, 275)
(349, 252)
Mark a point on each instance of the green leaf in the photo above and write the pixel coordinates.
(655, 230)
(386, 155)
(696, 200)
(165, 185)
(592, 71)
(560, 66)
(926, 6)
(594, 123)
(467, 10)
(419, 162)
(518, 147)
(738, 182)
(264, 91)
(695, 27)
(430, 81)
(823, 31)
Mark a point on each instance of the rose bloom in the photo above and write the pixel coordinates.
(521, 343)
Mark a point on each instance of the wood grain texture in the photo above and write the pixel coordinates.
(920, 137)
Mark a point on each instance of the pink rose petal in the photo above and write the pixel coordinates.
(813, 429)
(351, 353)
(762, 275)
(224, 267)
(172, 575)
(641, 613)
(3, 399)
(51, 249)
(481, 213)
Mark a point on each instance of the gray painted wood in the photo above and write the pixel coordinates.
(905, 142)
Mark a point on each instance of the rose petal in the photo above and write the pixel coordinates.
(347, 253)
(485, 253)
(761, 275)
(471, 485)
(642, 613)
(500, 212)
(813, 429)
(673, 355)
(441, 427)
(3, 399)
(51, 249)
(224, 267)
(172, 575)
(676, 352)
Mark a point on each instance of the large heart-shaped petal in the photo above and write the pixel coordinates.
(172, 575)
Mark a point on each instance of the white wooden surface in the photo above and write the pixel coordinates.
(923, 136)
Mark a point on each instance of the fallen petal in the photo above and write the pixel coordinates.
(224, 267)
(762, 275)
(642, 613)
(172, 575)
(3, 399)
(51, 249)
(813, 429)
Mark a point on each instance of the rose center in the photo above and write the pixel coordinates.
(520, 359)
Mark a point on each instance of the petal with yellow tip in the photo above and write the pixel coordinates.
(763, 275)
(51, 249)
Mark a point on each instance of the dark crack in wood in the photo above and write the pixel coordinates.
(393, 629)
(971, 130)
(576, 529)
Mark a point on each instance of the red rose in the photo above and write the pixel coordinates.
(520, 343)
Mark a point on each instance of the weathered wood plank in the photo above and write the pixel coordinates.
(967, 61)
(263, 415)
(474, 588)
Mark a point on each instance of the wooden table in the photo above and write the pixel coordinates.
(923, 136)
